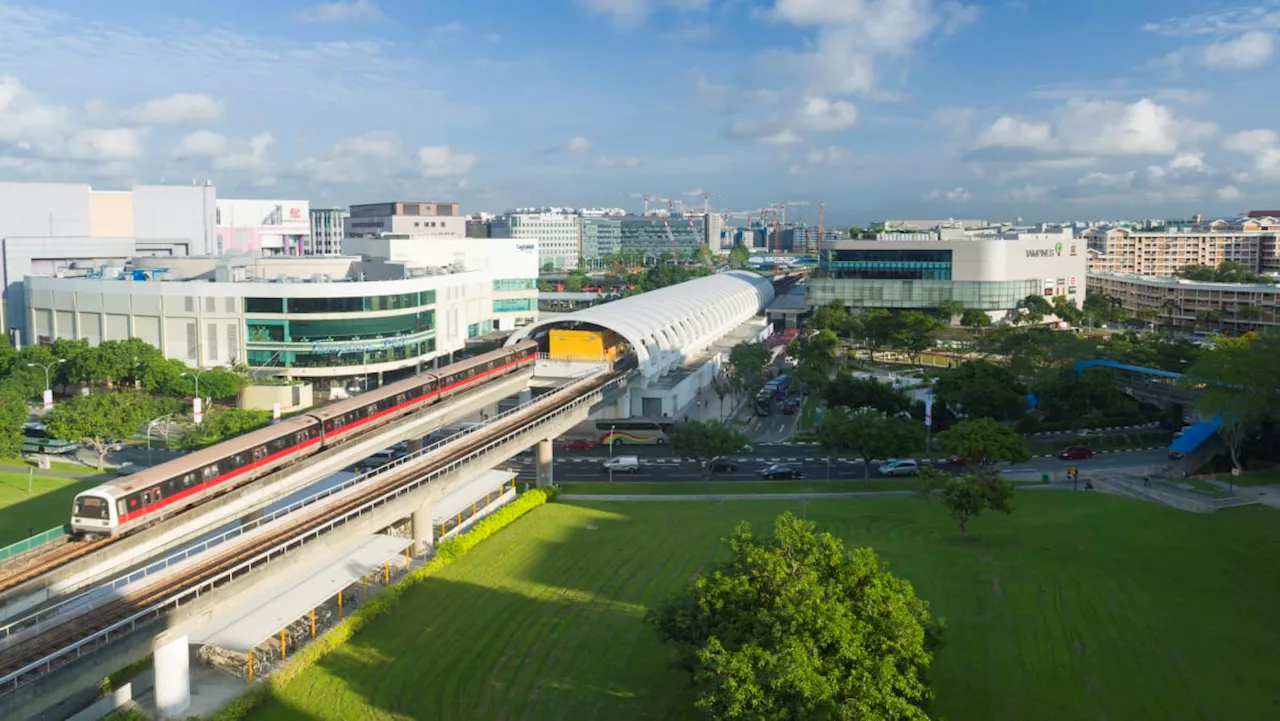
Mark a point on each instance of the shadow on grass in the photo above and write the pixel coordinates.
(529, 625)
(48, 504)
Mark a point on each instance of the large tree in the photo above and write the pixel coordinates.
(915, 333)
(975, 319)
(221, 425)
(979, 388)
(949, 309)
(871, 435)
(857, 393)
(815, 355)
(795, 627)
(705, 441)
(13, 415)
(984, 441)
(832, 317)
(100, 418)
(877, 326)
(746, 366)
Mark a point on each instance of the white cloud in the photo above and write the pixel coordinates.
(712, 95)
(201, 144)
(623, 13)
(815, 158)
(823, 115)
(1092, 128)
(245, 155)
(1227, 192)
(786, 136)
(440, 161)
(957, 195)
(106, 144)
(1190, 161)
(340, 12)
(578, 146)
(852, 37)
(1251, 141)
(1250, 50)
(23, 118)
(1107, 181)
(375, 144)
(1219, 22)
(177, 109)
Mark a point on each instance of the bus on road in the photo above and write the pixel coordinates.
(764, 402)
(632, 432)
(36, 439)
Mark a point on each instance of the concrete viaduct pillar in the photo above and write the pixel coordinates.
(423, 530)
(545, 463)
(173, 675)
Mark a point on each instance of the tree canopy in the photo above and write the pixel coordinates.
(871, 435)
(99, 418)
(981, 389)
(983, 440)
(705, 441)
(857, 393)
(223, 424)
(795, 627)
(1241, 385)
(966, 497)
(975, 319)
(746, 363)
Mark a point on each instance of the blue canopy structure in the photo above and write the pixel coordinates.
(1196, 435)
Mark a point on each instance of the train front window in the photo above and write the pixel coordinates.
(93, 508)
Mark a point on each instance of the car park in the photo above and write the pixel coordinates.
(1075, 453)
(905, 467)
(778, 471)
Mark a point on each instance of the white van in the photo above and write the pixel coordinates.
(623, 464)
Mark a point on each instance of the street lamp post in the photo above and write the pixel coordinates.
(195, 407)
(611, 453)
(48, 393)
(151, 423)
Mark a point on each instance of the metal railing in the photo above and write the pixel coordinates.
(13, 680)
(35, 541)
(245, 527)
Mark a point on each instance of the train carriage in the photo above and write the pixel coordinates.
(192, 478)
(118, 505)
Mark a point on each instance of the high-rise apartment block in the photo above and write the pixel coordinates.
(1161, 252)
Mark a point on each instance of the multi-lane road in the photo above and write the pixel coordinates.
(657, 464)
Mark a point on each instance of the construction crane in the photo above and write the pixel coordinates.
(675, 250)
(654, 199)
(784, 205)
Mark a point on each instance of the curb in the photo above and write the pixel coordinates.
(806, 459)
(1089, 431)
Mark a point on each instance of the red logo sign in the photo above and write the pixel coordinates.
(295, 214)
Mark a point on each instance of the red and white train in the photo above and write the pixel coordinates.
(117, 506)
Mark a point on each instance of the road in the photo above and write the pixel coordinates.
(586, 466)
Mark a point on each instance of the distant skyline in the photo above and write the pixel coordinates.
(881, 108)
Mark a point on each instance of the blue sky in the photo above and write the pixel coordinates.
(1046, 110)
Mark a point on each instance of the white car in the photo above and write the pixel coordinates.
(906, 467)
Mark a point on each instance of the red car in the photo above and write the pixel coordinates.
(1075, 453)
(958, 460)
(578, 444)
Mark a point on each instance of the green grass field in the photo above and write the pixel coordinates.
(1078, 606)
(48, 504)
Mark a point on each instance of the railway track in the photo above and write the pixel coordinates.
(281, 540)
(51, 559)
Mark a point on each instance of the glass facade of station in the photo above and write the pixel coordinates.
(920, 294)
(280, 335)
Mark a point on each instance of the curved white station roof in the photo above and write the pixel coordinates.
(669, 324)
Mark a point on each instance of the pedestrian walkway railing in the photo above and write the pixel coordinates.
(27, 544)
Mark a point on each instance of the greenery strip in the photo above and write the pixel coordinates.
(446, 553)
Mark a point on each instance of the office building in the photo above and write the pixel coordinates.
(339, 321)
(989, 272)
(477, 228)
(557, 231)
(443, 220)
(804, 239)
(263, 227)
(601, 237)
(1187, 304)
(1161, 252)
(328, 225)
(49, 227)
(656, 237)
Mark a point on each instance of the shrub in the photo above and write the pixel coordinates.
(446, 552)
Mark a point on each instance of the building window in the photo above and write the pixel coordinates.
(511, 284)
(264, 305)
(473, 330)
(512, 305)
